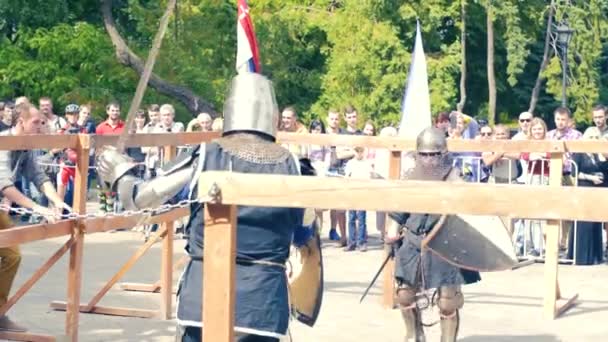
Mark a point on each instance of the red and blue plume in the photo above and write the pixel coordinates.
(247, 56)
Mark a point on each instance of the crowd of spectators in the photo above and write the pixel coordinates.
(349, 228)
(579, 241)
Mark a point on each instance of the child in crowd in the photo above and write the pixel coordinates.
(358, 168)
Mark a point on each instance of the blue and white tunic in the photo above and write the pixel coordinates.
(262, 304)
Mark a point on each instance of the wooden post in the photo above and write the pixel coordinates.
(76, 250)
(219, 272)
(552, 230)
(388, 297)
(166, 268)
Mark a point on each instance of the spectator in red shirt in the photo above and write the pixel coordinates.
(113, 125)
(65, 178)
(538, 166)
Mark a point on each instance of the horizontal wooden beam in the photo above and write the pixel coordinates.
(25, 336)
(18, 235)
(389, 143)
(157, 139)
(140, 287)
(454, 145)
(516, 201)
(591, 146)
(25, 234)
(109, 310)
(38, 141)
(513, 146)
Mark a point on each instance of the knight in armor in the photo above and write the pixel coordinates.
(417, 269)
(264, 234)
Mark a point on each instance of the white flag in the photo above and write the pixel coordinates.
(416, 105)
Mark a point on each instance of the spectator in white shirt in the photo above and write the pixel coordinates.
(167, 120)
(358, 168)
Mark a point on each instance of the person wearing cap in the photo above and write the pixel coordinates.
(67, 170)
(72, 112)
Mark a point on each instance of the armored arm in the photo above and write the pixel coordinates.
(134, 193)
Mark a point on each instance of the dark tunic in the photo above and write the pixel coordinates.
(588, 247)
(263, 234)
(426, 270)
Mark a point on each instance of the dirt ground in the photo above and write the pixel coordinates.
(504, 306)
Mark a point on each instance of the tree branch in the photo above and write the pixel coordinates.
(490, 66)
(463, 57)
(125, 56)
(543, 65)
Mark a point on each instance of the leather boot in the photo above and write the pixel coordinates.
(7, 325)
(449, 327)
(413, 325)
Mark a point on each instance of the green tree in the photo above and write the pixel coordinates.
(588, 19)
(320, 54)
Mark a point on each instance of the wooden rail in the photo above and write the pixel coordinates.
(389, 143)
(415, 196)
(387, 195)
(337, 194)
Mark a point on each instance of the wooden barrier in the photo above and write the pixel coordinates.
(165, 233)
(388, 195)
(77, 230)
(491, 199)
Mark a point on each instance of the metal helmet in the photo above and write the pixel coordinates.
(430, 140)
(251, 105)
(72, 108)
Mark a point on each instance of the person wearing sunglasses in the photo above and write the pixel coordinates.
(524, 120)
(524, 126)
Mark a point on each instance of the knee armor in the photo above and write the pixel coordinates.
(450, 300)
(406, 297)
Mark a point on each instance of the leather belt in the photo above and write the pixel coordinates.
(247, 261)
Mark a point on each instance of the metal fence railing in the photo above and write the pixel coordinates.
(527, 235)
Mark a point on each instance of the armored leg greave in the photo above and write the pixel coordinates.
(406, 297)
(450, 300)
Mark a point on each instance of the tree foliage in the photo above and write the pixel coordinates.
(320, 54)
